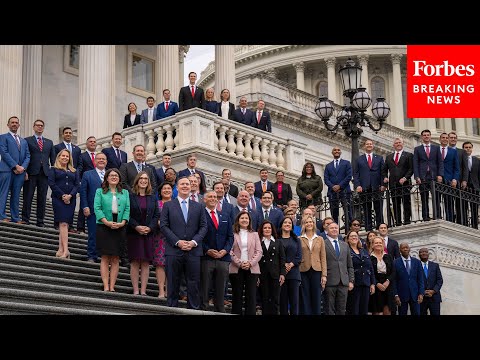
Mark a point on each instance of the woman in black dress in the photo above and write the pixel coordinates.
(384, 272)
(64, 182)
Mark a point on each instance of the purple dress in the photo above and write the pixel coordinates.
(140, 247)
(159, 244)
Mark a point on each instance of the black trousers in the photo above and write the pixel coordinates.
(40, 183)
(247, 281)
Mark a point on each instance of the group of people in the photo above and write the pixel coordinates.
(192, 96)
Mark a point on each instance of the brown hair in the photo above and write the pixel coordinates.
(236, 224)
(136, 189)
(260, 229)
(359, 243)
(105, 186)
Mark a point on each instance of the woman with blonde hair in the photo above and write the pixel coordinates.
(211, 104)
(64, 182)
(382, 299)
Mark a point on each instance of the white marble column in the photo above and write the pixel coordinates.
(460, 126)
(363, 62)
(331, 79)
(96, 91)
(397, 101)
(225, 70)
(11, 63)
(31, 87)
(182, 51)
(169, 68)
(300, 68)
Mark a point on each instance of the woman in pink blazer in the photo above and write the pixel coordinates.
(244, 269)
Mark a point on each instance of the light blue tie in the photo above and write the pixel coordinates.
(337, 249)
(407, 266)
(184, 210)
(69, 147)
(425, 270)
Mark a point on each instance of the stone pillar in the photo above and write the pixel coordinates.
(460, 126)
(225, 70)
(309, 81)
(11, 63)
(300, 68)
(169, 68)
(182, 51)
(397, 100)
(31, 87)
(96, 91)
(363, 61)
(331, 78)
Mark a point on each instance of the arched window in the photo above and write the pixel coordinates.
(323, 89)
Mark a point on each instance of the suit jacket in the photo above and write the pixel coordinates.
(368, 178)
(247, 119)
(185, 100)
(103, 205)
(363, 268)
(408, 286)
(160, 175)
(286, 193)
(404, 168)
(227, 210)
(272, 263)
(84, 164)
(128, 172)
(218, 239)
(127, 123)
(231, 110)
(186, 172)
(315, 258)
(451, 166)
(76, 152)
(172, 110)
(90, 183)
(11, 155)
(473, 176)
(265, 121)
(462, 161)
(393, 248)
(153, 214)
(233, 190)
(434, 281)
(256, 216)
(339, 269)
(174, 227)
(342, 176)
(258, 188)
(254, 249)
(112, 159)
(144, 115)
(40, 160)
(274, 215)
(421, 162)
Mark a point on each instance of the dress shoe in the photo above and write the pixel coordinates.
(41, 225)
(22, 222)
(72, 231)
(6, 220)
(184, 298)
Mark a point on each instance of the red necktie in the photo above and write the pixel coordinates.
(396, 158)
(93, 159)
(252, 202)
(40, 144)
(259, 117)
(369, 161)
(443, 153)
(166, 106)
(214, 219)
(193, 197)
(427, 150)
(193, 91)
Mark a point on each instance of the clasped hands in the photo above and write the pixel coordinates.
(185, 245)
(142, 229)
(66, 198)
(216, 254)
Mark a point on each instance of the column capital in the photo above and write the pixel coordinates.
(396, 58)
(299, 66)
(184, 48)
(330, 61)
(363, 59)
(272, 72)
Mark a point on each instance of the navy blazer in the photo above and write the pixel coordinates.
(153, 214)
(63, 182)
(221, 239)
(258, 188)
(40, 159)
(342, 176)
(368, 178)
(112, 159)
(265, 121)
(84, 164)
(127, 123)
(451, 166)
(172, 110)
(186, 172)
(186, 101)
(144, 115)
(406, 286)
(393, 248)
(10, 154)
(275, 216)
(76, 152)
(90, 183)
(434, 281)
(247, 119)
(227, 210)
(293, 254)
(173, 226)
(362, 268)
(421, 162)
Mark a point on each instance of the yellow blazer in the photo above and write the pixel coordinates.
(316, 258)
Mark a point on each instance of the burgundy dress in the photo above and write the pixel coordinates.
(159, 244)
(140, 247)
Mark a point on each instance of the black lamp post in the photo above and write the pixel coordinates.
(351, 118)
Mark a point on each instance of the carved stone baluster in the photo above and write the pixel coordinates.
(169, 140)
(264, 153)
(248, 147)
(272, 158)
(215, 138)
(150, 145)
(256, 149)
(160, 145)
(222, 141)
(240, 147)
(176, 139)
(231, 141)
(280, 158)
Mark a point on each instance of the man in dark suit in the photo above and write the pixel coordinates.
(243, 115)
(91, 181)
(67, 134)
(368, 182)
(472, 185)
(222, 205)
(150, 113)
(338, 175)
(216, 252)
(166, 108)
(233, 189)
(397, 172)
(128, 171)
(191, 168)
(408, 285)
(282, 192)
(391, 245)
(427, 167)
(42, 156)
(243, 205)
(254, 202)
(166, 163)
(115, 156)
(262, 117)
(15, 158)
(340, 274)
(462, 161)
(270, 212)
(451, 173)
(433, 281)
(184, 224)
(191, 96)
(262, 185)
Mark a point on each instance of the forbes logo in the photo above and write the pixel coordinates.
(424, 69)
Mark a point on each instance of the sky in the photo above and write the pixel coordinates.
(197, 59)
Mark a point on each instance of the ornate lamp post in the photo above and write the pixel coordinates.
(352, 117)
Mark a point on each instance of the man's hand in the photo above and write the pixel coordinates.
(86, 212)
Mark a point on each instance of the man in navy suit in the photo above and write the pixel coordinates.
(462, 161)
(191, 168)
(262, 185)
(184, 224)
(166, 163)
(216, 252)
(472, 185)
(408, 285)
(115, 156)
(433, 283)
(254, 201)
(368, 182)
(243, 115)
(262, 117)
(270, 212)
(166, 108)
(222, 204)
(42, 156)
(67, 134)
(427, 167)
(15, 159)
(451, 173)
(243, 199)
(191, 96)
(91, 181)
(338, 175)
(150, 113)
(391, 245)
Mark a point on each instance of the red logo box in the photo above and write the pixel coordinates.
(443, 81)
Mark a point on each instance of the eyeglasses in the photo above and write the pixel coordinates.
(113, 176)
(355, 224)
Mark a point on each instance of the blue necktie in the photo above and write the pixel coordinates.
(337, 249)
(184, 210)
(425, 270)
(407, 266)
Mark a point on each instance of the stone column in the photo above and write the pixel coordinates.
(182, 51)
(331, 78)
(168, 65)
(225, 70)
(309, 81)
(300, 68)
(31, 87)
(460, 126)
(363, 61)
(397, 100)
(11, 63)
(96, 91)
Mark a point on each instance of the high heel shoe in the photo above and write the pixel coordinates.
(59, 253)
(66, 255)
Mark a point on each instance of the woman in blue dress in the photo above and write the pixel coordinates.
(210, 102)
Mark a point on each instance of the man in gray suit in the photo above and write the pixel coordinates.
(128, 171)
(340, 276)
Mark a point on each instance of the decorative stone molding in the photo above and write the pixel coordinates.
(363, 59)
(396, 58)
(299, 66)
(330, 61)
(273, 72)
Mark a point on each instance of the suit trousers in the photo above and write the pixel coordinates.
(311, 292)
(341, 198)
(10, 183)
(92, 236)
(414, 307)
(367, 197)
(270, 293)
(429, 304)
(190, 265)
(399, 195)
(40, 183)
(210, 266)
(336, 300)
(425, 189)
(289, 297)
(248, 281)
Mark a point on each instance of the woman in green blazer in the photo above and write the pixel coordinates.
(112, 209)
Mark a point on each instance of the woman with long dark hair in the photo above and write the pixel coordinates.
(309, 187)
